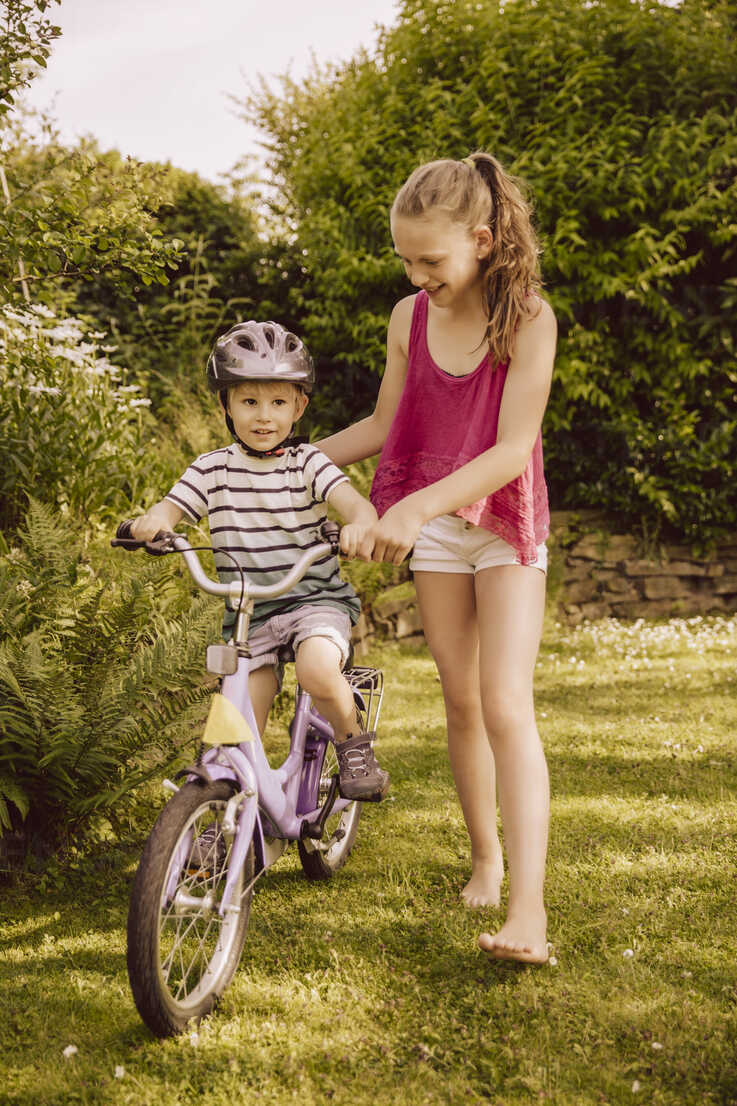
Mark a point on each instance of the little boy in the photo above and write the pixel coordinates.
(265, 497)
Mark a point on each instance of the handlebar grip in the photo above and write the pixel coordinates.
(330, 532)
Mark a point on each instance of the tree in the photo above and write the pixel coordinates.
(25, 43)
(621, 115)
(79, 214)
(68, 212)
(168, 332)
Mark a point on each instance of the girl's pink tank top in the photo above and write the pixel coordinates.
(442, 422)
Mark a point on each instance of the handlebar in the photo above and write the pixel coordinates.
(166, 542)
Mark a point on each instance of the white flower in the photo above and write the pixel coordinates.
(628, 954)
(194, 1038)
(553, 961)
(119, 1071)
(657, 1046)
(70, 1050)
(635, 1086)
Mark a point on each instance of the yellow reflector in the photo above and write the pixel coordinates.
(225, 724)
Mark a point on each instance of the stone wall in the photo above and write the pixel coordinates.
(594, 573)
(597, 573)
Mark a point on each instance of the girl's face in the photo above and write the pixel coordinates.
(442, 256)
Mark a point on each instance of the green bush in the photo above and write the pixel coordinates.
(216, 282)
(74, 431)
(100, 669)
(622, 117)
(77, 214)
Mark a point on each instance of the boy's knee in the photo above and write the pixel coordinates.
(318, 665)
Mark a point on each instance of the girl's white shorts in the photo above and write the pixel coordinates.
(450, 544)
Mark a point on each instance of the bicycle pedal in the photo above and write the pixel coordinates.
(312, 830)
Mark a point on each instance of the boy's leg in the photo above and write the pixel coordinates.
(263, 686)
(448, 608)
(318, 662)
(510, 602)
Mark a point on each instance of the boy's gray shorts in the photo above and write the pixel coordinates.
(276, 641)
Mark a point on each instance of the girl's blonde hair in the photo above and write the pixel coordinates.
(478, 191)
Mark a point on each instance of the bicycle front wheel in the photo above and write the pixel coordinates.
(182, 953)
(321, 859)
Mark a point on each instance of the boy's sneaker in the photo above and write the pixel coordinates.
(360, 774)
(208, 853)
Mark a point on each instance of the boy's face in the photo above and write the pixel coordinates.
(263, 412)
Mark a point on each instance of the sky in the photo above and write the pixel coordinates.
(152, 77)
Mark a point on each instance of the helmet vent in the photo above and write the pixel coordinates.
(245, 342)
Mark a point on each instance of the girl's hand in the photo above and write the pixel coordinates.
(396, 533)
(357, 540)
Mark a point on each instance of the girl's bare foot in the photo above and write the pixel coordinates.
(484, 886)
(523, 940)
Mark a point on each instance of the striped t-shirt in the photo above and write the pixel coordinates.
(264, 512)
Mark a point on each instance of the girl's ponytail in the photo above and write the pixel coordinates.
(512, 274)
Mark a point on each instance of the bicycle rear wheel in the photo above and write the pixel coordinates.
(181, 953)
(322, 859)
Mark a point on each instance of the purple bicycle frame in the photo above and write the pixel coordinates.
(277, 800)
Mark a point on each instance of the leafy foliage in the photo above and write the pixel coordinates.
(98, 679)
(26, 42)
(168, 332)
(622, 117)
(79, 214)
(73, 431)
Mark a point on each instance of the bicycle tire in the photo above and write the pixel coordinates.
(182, 955)
(321, 859)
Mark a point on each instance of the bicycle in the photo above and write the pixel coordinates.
(233, 816)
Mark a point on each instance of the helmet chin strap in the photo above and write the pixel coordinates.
(277, 451)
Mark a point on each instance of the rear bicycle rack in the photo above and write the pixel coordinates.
(368, 691)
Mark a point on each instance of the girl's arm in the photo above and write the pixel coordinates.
(523, 404)
(366, 438)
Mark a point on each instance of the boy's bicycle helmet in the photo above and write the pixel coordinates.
(259, 351)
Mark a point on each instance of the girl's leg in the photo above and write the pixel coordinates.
(510, 602)
(448, 609)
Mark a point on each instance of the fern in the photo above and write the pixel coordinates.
(100, 672)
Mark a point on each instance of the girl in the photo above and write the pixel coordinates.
(469, 365)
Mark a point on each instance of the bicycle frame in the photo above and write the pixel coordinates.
(271, 806)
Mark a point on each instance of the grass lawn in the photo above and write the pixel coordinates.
(371, 989)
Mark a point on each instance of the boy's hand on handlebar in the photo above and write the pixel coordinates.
(146, 527)
(357, 540)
